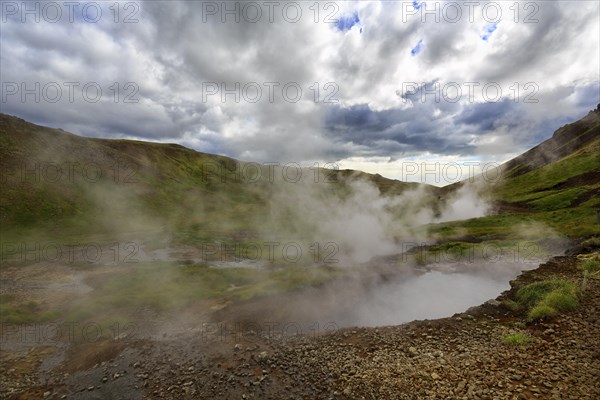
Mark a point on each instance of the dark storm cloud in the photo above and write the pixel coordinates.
(449, 131)
(410, 131)
(484, 116)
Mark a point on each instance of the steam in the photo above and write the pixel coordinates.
(466, 203)
(432, 295)
(358, 218)
(445, 289)
(359, 222)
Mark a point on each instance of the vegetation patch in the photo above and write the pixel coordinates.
(548, 176)
(517, 339)
(164, 287)
(556, 201)
(487, 250)
(12, 313)
(540, 312)
(590, 266)
(592, 242)
(547, 298)
(445, 252)
(512, 305)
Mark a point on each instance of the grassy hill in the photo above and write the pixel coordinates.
(57, 183)
(556, 183)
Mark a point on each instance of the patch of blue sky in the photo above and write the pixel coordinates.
(417, 49)
(417, 5)
(487, 33)
(346, 22)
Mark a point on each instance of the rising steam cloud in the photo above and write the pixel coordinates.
(363, 222)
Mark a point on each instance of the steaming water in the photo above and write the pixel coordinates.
(429, 296)
(447, 290)
(366, 297)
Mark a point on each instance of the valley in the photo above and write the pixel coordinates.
(169, 273)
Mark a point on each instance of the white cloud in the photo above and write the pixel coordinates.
(176, 47)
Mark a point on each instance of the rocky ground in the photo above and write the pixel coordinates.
(461, 357)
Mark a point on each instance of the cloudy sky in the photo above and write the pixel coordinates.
(372, 85)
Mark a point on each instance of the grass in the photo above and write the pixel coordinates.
(512, 305)
(517, 339)
(533, 293)
(487, 250)
(166, 287)
(592, 242)
(176, 188)
(168, 187)
(11, 313)
(572, 222)
(590, 266)
(445, 252)
(541, 312)
(546, 299)
(548, 176)
(557, 200)
(549, 196)
(561, 300)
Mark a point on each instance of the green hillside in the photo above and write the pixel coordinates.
(556, 183)
(57, 183)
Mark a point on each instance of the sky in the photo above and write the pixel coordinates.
(397, 88)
